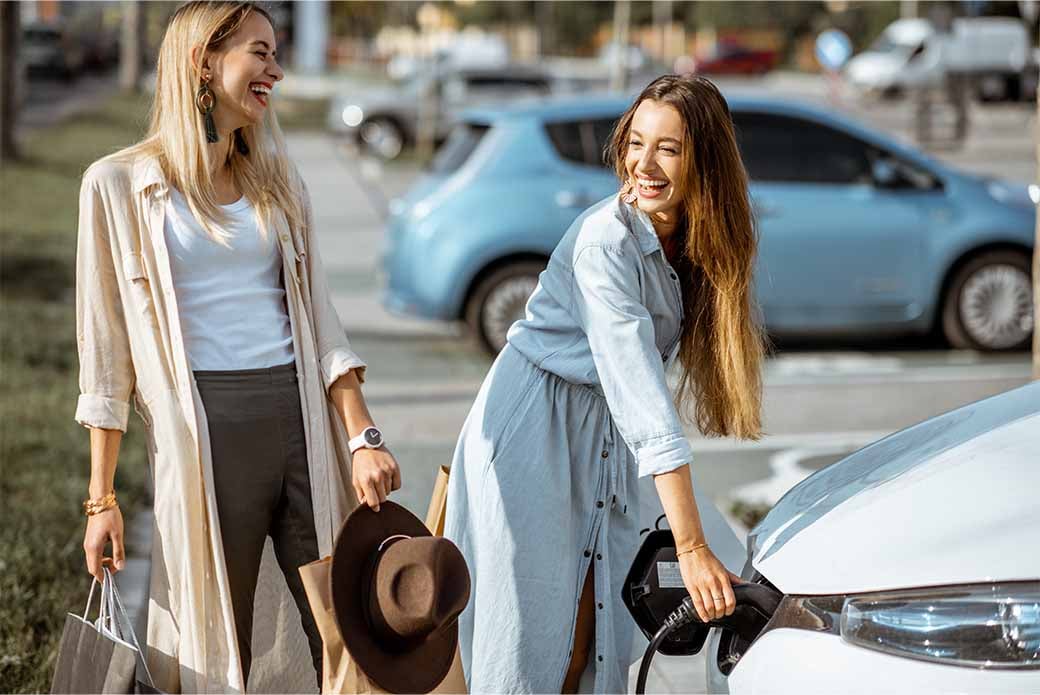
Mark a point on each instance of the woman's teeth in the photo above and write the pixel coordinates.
(652, 183)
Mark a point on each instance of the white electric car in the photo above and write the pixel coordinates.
(912, 565)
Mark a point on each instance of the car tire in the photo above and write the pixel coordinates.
(498, 300)
(382, 136)
(988, 304)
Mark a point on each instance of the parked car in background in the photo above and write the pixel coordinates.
(909, 566)
(386, 121)
(995, 52)
(734, 59)
(50, 50)
(859, 234)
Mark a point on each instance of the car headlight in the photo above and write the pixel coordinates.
(981, 626)
(352, 115)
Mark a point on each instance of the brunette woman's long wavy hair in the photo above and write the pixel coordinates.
(722, 343)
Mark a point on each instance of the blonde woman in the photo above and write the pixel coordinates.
(542, 499)
(200, 297)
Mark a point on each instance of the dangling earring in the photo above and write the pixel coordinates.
(628, 193)
(205, 101)
(240, 143)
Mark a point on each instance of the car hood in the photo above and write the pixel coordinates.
(371, 99)
(951, 500)
(425, 185)
(875, 67)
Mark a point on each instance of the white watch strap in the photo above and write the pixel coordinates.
(357, 442)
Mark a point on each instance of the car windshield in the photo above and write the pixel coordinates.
(458, 147)
(898, 39)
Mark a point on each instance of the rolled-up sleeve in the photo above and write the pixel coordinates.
(620, 332)
(106, 372)
(335, 354)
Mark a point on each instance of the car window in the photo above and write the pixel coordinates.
(602, 129)
(502, 82)
(581, 141)
(566, 139)
(788, 149)
(460, 144)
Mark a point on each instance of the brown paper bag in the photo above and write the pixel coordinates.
(438, 503)
(341, 674)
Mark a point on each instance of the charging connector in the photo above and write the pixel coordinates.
(683, 615)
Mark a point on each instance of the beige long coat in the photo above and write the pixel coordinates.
(131, 349)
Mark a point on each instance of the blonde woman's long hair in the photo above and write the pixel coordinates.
(176, 135)
(722, 344)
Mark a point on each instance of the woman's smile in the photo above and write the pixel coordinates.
(650, 188)
(261, 90)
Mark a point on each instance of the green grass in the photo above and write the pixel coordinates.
(44, 454)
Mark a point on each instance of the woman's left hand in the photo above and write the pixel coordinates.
(709, 584)
(375, 475)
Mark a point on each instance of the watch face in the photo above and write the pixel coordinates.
(373, 437)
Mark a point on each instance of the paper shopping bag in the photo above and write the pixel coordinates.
(340, 673)
(100, 656)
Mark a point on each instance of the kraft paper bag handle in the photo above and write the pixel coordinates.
(438, 503)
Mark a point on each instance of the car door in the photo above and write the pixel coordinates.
(837, 250)
(583, 176)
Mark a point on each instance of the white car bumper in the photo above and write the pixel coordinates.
(802, 662)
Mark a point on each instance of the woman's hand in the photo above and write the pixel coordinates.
(709, 584)
(375, 475)
(101, 529)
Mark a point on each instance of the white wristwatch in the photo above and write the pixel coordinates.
(370, 438)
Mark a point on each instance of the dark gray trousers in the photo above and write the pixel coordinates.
(262, 487)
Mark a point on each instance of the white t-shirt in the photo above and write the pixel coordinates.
(231, 300)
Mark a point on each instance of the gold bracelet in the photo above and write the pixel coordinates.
(100, 504)
(697, 546)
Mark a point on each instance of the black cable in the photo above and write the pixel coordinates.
(683, 615)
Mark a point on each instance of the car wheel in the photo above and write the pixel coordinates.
(498, 301)
(989, 303)
(383, 137)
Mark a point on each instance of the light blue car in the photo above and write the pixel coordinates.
(859, 234)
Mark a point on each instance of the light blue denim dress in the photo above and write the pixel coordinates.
(542, 483)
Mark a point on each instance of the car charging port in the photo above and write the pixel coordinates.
(756, 604)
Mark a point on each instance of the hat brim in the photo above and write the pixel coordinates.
(417, 670)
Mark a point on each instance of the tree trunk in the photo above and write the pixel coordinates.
(130, 46)
(10, 79)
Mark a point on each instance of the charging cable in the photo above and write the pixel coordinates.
(683, 615)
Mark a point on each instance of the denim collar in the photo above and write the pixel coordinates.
(638, 222)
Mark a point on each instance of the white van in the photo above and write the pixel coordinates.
(911, 53)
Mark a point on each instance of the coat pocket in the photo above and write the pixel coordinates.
(140, 287)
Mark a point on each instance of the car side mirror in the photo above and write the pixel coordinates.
(885, 173)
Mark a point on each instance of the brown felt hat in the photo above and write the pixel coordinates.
(397, 592)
